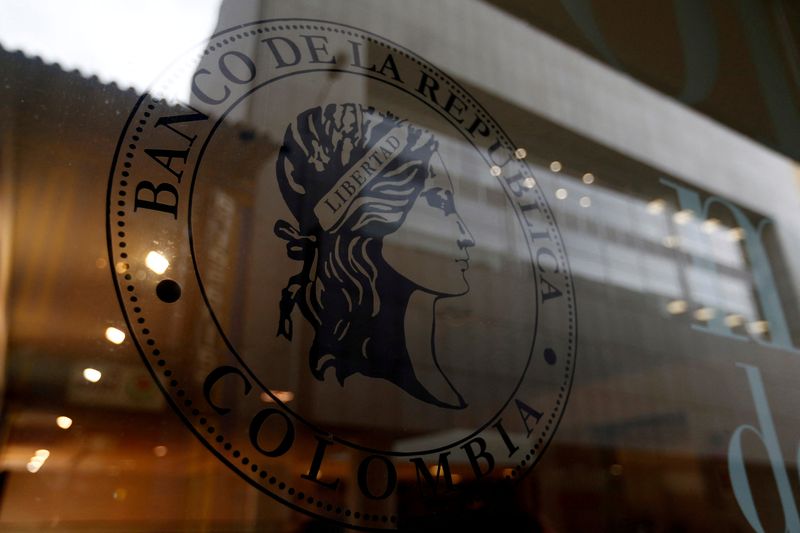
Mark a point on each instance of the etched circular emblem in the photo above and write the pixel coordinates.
(342, 274)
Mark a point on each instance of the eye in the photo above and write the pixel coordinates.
(438, 198)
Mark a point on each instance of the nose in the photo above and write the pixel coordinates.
(465, 238)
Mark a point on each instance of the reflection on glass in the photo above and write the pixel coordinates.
(64, 422)
(115, 335)
(156, 262)
(92, 375)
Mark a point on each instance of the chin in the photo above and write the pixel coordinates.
(459, 287)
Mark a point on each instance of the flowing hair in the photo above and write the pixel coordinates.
(343, 278)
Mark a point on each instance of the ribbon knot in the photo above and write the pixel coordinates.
(299, 247)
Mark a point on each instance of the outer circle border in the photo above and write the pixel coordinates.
(571, 337)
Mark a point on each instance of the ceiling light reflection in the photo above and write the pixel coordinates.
(588, 178)
(520, 153)
(585, 201)
(115, 335)
(704, 314)
(736, 234)
(160, 451)
(495, 170)
(561, 194)
(711, 225)
(156, 262)
(670, 241)
(656, 207)
(555, 166)
(676, 307)
(64, 422)
(683, 217)
(38, 459)
(92, 375)
(529, 183)
(734, 321)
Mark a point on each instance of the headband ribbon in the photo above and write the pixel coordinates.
(332, 207)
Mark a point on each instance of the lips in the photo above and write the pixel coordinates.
(464, 260)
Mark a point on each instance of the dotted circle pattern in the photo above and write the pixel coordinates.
(220, 440)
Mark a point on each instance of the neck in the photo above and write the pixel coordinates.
(420, 331)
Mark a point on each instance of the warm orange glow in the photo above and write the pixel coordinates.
(284, 396)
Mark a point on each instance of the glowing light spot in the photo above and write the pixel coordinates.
(115, 335)
(555, 166)
(520, 153)
(160, 451)
(585, 201)
(92, 375)
(561, 194)
(284, 396)
(758, 327)
(588, 178)
(121, 267)
(734, 321)
(38, 459)
(704, 314)
(656, 207)
(64, 422)
(711, 225)
(156, 262)
(670, 241)
(100, 263)
(529, 183)
(682, 217)
(736, 234)
(120, 494)
(44, 454)
(495, 170)
(676, 307)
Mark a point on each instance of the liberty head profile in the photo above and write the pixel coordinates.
(352, 177)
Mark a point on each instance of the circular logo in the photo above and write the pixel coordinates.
(342, 274)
